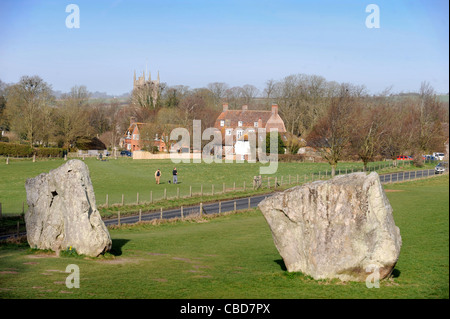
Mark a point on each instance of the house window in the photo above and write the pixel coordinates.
(222, 123)
(228, 131)
(239, 123)
(239, 133)
(255, 124)
(136, 137)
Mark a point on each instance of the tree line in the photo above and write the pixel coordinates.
(340, 120)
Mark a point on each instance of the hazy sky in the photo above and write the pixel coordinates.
(238, 42)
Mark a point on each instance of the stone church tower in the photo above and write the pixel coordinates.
(151, 86)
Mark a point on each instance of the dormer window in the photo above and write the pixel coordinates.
(222, 123)
(239, 123)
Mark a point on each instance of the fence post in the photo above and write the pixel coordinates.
(182, 217)
(234, 206)
(140, 214)
(151, 196)
(224, 188)
(106, 200)
(281, 181)
(201, 209)
(122, 199)
(137, 198)
(118, 217)
(212, 189)
(160, 214)
(244, 186)
(190, 191)
(268, 182)
(178, 192)
(165, 193)
(234, 186)
(220, 207)
(249, 203)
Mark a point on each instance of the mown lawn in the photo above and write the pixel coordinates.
(129, 177)
(233, 256)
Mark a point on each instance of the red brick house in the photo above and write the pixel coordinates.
(244, 121)
(134, 141)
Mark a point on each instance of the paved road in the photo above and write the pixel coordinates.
(242, 203)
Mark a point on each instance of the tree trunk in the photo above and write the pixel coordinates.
(333, 170)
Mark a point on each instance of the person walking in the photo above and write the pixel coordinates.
(175, 175)
(157, 176)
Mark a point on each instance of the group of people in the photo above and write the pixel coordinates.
(174, 174)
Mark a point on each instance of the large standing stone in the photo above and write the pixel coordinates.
(62, 211)
(338, 228)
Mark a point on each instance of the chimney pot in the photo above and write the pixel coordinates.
(274, 109)
(225, 107)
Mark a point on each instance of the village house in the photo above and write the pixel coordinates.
(133, 140)
(241, 123)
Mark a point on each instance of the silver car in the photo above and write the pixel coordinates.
(440, 168)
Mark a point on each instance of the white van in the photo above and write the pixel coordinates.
(439, 156)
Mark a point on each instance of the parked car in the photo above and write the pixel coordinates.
(404, 158)
(125, 153)
(429, 158)
(440, 168)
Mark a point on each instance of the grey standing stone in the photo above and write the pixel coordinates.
(62, 211)
(338, 228)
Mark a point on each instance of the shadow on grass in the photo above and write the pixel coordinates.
(117, 245)
(280, 262)
(395, 273)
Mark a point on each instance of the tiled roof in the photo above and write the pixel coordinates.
(248, 117)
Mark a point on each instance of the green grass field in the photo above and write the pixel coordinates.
(233, 256)
(130, 177)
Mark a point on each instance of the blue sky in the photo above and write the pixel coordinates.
(241, 42)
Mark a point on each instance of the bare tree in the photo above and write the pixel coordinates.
(331, 135)
(249, 93)
(218, 90)
(25, 104)
(71, 117)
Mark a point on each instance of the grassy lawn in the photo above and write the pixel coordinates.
(233, 256)
(128, 177)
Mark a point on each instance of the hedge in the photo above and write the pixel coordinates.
(21, 150)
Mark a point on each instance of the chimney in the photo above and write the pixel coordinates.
(132, 120)
(244, 107)
(274, 109)
(225, 107)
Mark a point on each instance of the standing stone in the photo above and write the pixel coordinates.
(62, 211)
(338, 228)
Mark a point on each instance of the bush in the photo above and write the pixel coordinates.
(49, 152)
(15, 150)
(21, 150)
